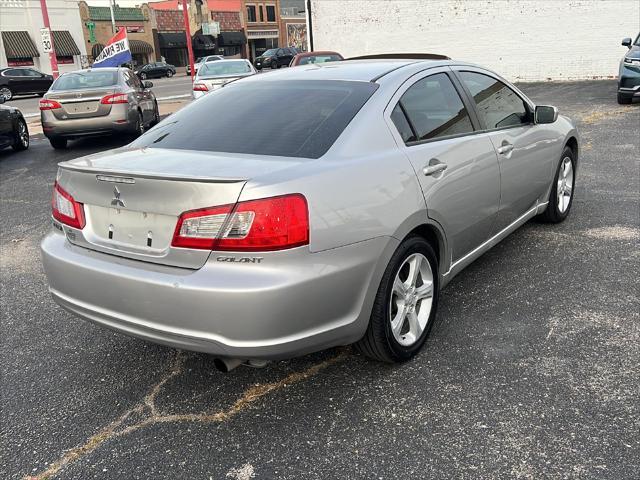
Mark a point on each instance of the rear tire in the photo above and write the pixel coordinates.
(558, 208)
(624, 100)
(391, 309)
(143, 76)
(21, 141)
(156, 116)
(58, 143)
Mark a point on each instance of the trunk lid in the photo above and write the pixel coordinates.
(214, 83)
(81, 103)
(132, 198)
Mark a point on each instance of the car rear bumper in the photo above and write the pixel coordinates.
(289, 304)
(120, 119)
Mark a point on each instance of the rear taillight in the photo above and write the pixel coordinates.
(275, 223)
(200, 87)
(114, 98)
(49, 104)
(66, 209)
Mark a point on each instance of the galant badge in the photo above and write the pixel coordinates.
(116, 202)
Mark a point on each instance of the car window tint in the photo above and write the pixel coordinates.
(498, 105)
(319, 59)
(314, 115)
(16, 72)
(31, 73)
(435, 109)
(402, 124)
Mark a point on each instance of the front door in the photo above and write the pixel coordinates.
(524, 150)
(457, 168)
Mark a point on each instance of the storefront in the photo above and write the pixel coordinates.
(260, 41)
(173, 47)
(19, 49)
(231, 43)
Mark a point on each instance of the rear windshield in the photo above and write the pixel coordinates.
(221, 68)
(293, 118)
(80, 80)
(319, 59)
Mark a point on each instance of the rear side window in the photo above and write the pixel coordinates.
(433, 109)
(285, 118)
(79, 80)
(498, 105)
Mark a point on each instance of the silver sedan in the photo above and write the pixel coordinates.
(214, 75)
(323, 205)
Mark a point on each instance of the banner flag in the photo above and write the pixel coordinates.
(116, 51)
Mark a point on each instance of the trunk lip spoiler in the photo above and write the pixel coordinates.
(152, 176)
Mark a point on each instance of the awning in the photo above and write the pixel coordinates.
(97, 50)
(203, 42)
(64, 44)
(19, 45)
(172, 40)
(228, 39)
(138, 46)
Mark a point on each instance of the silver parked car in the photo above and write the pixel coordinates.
(337, 218)
(99, 101)
(214, 75)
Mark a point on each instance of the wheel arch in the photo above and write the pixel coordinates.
(421, 225)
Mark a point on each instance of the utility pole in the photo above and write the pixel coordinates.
(113, 19)
(187, 32)
(52, 53)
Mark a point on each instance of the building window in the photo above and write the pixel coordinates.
(251, 13)
(271, 13)
(261, 14)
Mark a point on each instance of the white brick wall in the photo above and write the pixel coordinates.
(520, 39)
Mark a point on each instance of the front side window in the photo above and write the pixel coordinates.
(497, 105)
(318, 111)
(432, 108)
(31, 73)
(271, 13)
(251, 13)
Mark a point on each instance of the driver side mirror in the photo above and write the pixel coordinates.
(147, 84)
(546, 114)
(626, 42)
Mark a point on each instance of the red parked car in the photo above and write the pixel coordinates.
(315, 57)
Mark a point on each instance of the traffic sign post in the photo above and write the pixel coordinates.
(51, 45)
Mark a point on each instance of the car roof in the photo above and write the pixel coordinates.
(316, 53)
(355, 70)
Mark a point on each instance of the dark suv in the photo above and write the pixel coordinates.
(276, 58)
(23, 81)
(156, 70)
(629, 77)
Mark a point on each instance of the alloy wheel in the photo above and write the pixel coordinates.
(23, 135)
(6, 93)
(411, 299)
(565, 184)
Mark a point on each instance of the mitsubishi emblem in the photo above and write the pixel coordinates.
(116, 202)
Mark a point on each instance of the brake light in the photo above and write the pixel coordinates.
(114, 98)
(65, 209)
(275, 223)
(200, 87)
(49, 104)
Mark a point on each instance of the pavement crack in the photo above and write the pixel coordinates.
(111, 431)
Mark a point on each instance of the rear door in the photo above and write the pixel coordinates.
(16, 80)
(39, 82)
(143, 96)
(457, 167)
(525, 152)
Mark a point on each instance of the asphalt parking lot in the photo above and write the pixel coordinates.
(531, 370)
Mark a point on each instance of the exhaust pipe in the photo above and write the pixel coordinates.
(225, 365)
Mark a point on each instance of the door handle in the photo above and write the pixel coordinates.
(432, 169)
(505, 148)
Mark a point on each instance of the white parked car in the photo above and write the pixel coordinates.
(200, 60)
(214, 75)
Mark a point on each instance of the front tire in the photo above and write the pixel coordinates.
(58, 143)
(6, 93)
(21, 141)
(405, 305)
(562, 190)
(624, 100)
(143, 76)
(169, 74)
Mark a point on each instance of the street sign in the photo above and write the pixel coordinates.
(46, 40)
(211, 28)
